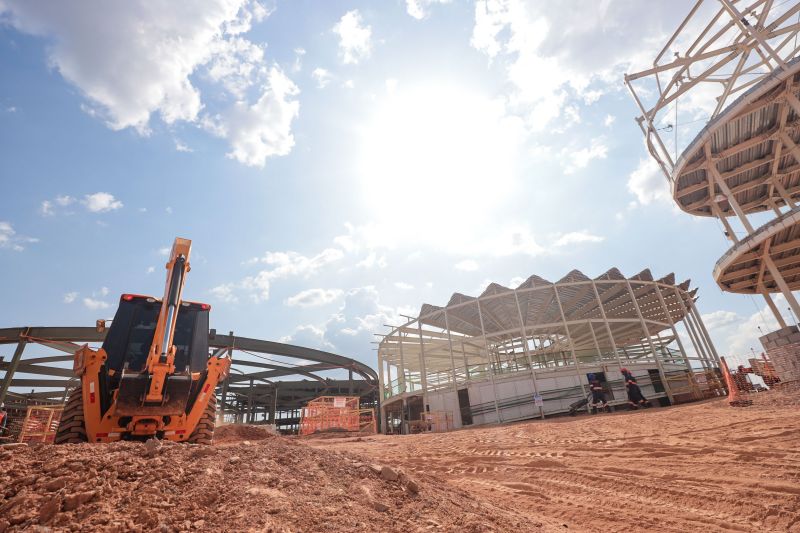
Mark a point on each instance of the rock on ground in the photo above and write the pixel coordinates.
(276, 484)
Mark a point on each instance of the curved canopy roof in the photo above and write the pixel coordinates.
(743, 269)
(752, 145)
(540, 303)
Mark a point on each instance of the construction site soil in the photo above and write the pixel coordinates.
(704, 466)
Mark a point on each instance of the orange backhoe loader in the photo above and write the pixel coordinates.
(153, 376)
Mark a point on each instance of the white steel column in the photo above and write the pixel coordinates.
(423, 369)
(672, 326)
(701, 355)
(650, 342)
(381, 381)
(527, 353)
(699, 320)
(571, 345)
(489, 361)
(774, 309)
(605, 321)
(452, 359)
(402, 383)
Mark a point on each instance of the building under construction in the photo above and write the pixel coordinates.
(743, 166)
(512, 354)
(269, 382)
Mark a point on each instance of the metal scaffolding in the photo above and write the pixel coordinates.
(263, 386)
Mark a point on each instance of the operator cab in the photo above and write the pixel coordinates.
(128, 342)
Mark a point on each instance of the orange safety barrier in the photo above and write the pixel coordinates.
(737, 385)
(336, 413)
(40, 424)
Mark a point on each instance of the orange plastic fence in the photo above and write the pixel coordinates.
(40, 424)
(737, 385)
(340, 413)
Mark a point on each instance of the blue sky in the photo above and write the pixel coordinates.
(336, 164)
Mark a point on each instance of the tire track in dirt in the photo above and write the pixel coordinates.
(703, 467)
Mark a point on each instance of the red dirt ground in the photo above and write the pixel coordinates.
(703, 467)
(273, 484)
(700, 467)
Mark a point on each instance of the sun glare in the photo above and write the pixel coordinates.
(436, 158)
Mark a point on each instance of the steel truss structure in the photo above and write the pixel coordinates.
(258, 389)
(487, 358)
(746, 159)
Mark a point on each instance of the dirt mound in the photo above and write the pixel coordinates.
(273, 484)
(240, 432)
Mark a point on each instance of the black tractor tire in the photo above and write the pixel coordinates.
(204, 432)
(71, 427)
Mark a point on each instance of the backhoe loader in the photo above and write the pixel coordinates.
(153, 375)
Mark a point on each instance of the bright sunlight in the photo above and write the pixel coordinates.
(436, 157)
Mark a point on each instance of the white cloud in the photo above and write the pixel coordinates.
(648, 183)
(719, 319)
(321, 76)
(49, 207)
(164, 250)
(736, 336)
(261, 130)
(165, 48)
(309, 336)
(94, 304)
(551, 57)
(355, 39)
(70, 297)
(314, 297)
(101, 202)
(403, 286)
(467, 265)
(297, 66)
(46, 208)
(160, 46)
(350, 330)
(224, 293)
(180, 146)
(609, 120)
(373, 260)
(282, 265)
(574, 160)
(516, 281)
(11, 240)
(168, 210)
(151, 269)
(419, 8)
(577, 237)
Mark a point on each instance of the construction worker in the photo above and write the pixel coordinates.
(598, 396)
(635, 397)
